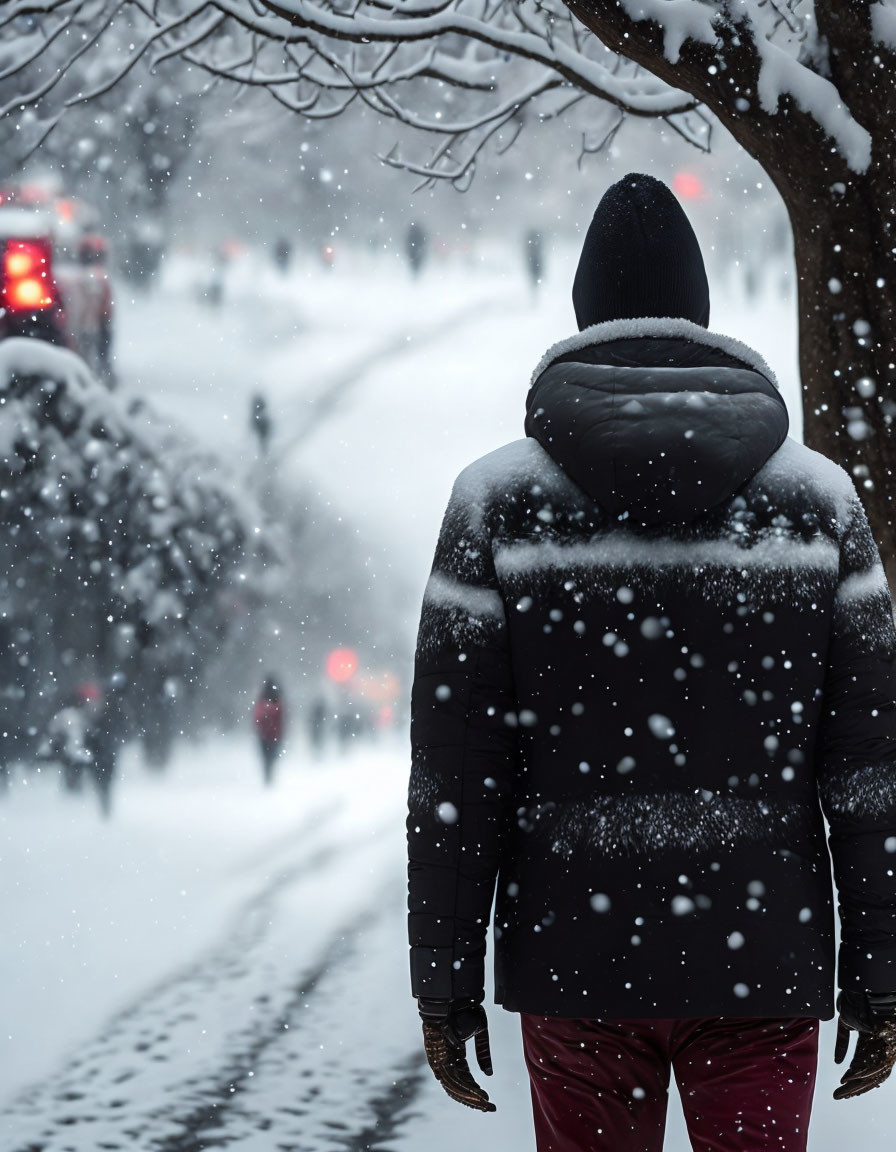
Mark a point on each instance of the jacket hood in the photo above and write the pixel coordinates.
(655, 419)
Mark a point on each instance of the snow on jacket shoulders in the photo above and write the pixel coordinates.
(794, 472)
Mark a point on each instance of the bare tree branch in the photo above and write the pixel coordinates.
(21, 62)
(455, 69)
(752, 62)
(52, 80)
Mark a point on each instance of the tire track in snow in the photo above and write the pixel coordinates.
(137, 1085)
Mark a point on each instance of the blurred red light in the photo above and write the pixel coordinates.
(342, 664)
(688, 186)
(26, 286)
(26, 294)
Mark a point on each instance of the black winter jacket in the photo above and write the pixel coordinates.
(655, 649)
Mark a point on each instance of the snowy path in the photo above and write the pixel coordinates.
(336, 389)
(305, 343)
(288, 1025)
(178, 1061)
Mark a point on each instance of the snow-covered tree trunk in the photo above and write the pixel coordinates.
(820, 120)
(843, 244)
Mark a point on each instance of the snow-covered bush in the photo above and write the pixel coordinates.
(121, 545)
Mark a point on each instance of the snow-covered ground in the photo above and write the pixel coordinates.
(219, 962)
(221, 965)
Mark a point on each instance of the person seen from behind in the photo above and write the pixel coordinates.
(655, 651)
(268, 718)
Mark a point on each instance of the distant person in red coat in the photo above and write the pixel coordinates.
(269, 725)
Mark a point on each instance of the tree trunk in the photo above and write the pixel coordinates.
(846, 275)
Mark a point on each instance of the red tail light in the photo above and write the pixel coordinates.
(27, 284)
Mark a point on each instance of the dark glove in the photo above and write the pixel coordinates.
(447, 1026)
(873, 1016)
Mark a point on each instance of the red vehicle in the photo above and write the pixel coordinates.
(53, 277)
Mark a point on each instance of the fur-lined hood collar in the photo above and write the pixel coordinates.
(657, 420)
(658, 327)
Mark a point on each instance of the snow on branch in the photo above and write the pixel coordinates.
(793, 62)
(460, 73)
(540, 40)
(781, 74)
(883, 23)
(680, 20)
(740, 53)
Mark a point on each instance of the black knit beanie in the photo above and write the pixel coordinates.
(640, 258)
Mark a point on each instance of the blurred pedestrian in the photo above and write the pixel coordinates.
(220, 259)
(317, 725)
(65, 740)
(83, 738)
(269, 726)
(657, 633)
(260, 420)
(533, 243)
(107, 730)
(415, 247)
(282, 254)
(13, 746)
(158, 727)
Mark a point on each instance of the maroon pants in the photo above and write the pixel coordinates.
(745, 1084)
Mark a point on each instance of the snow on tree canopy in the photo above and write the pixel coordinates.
(111, 515)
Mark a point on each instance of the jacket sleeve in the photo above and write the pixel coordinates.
(856, 762)
(463, 744)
